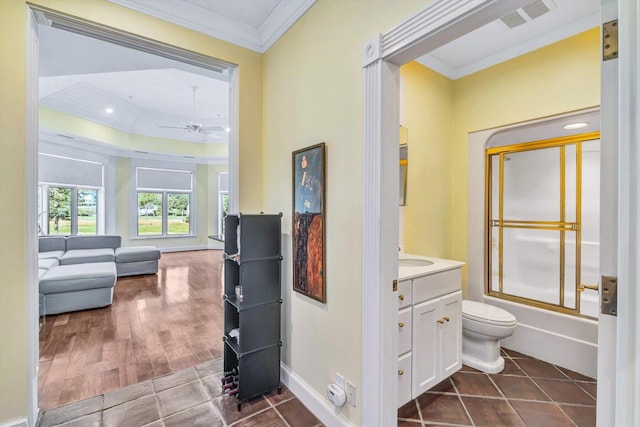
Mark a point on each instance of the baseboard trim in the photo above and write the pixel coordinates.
(316, 403)
(20, 422)
(182, 249)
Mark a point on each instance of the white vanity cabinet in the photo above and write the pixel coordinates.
(437, 341)
(429, 331)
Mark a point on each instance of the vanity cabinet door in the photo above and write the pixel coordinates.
(425, 346)
(404, 330)
(451, 334)
(404, 379)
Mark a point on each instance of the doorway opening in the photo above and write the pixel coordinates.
(139, 139)
(439, 24)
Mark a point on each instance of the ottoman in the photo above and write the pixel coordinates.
(77, 287)
(134, 260)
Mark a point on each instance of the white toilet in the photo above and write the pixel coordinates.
(483, 326)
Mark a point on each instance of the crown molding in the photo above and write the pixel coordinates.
(530, 45)
(224, 28)
(282, 18)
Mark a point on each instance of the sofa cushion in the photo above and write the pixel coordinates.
(52, 254)
(51, 243)
(93, 242)
(83, 256)
(78, 277)
(42, 272)
(47, 263)
(137, 253)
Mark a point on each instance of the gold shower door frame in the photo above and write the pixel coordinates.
(563, 226)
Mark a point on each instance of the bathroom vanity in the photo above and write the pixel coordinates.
(429, 323)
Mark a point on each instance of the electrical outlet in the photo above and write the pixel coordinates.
(351, 394)
(340, 381)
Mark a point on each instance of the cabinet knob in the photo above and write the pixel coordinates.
(401, 324)
(446, 318)
(400, 372)
(401, 297)
(440, 321)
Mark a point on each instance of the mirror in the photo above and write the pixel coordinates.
(404, 164)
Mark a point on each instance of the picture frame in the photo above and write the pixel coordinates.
(308, 225)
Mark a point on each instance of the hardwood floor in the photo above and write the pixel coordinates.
(157, 324)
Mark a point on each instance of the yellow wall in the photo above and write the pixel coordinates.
(68, 124)
(440, 113)
(428, 100)
(13, 263)
(313, 92)
(561, 77)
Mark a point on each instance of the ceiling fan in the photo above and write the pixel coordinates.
(193, 125)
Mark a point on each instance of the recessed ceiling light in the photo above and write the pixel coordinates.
(227, 130)
(108, 110)
(578, 125)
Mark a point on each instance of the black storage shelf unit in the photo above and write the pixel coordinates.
(252, 321)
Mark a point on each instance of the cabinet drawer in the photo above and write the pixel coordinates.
(404, 379)
(404, 294)
(404, 330)
(436, 285)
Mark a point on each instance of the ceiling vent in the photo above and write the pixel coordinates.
(528, 13)
(513, 19)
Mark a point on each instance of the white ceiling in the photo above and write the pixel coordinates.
(82, 76)
(496, 42)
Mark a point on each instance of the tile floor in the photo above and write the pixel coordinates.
(528, 392)
(191, 397)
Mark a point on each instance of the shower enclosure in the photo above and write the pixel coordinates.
(543, 223)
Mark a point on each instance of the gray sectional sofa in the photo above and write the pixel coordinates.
(80, 272)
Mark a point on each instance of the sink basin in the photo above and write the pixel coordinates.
(414, 262)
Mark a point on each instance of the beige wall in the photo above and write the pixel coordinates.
(13, 262)
(428, 114)
(313, 92)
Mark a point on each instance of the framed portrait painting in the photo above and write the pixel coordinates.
(309, 221)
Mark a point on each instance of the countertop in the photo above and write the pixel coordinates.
(439, 264)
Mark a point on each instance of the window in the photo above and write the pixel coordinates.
(87, 202)
(59, 210)
(164, 197)
(69, 210)
(223, 199)
(69, 195)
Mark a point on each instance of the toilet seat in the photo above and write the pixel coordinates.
(488, 314)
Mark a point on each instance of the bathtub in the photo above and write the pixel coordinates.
(562, 339)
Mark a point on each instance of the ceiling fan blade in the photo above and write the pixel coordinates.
(212, 129)
(173, 127)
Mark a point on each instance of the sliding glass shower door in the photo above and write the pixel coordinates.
(543, 213)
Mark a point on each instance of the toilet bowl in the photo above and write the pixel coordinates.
(483, 326)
